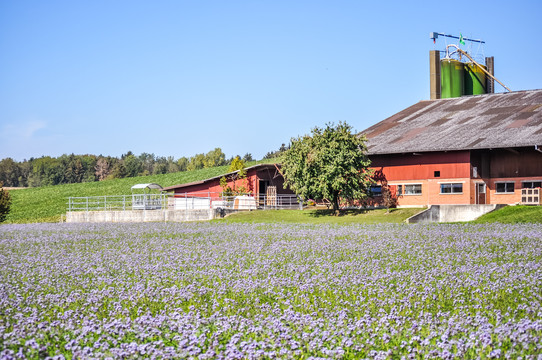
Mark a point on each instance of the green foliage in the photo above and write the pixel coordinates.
(182, 163)
(196, 162)
(330, 164)
(9, 172)
(5, 203)
(238, 166)
(69, 169)
(214, 158)
(276, 154)
(248, 157)
(133, 165)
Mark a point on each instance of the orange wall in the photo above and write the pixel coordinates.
(495, 198)
(431, 192)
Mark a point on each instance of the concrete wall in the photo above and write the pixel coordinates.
(142, 215)
(452, 213)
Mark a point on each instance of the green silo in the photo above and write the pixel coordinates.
(475, 80)
(451, 78)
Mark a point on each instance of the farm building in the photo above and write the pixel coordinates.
(482, 149)
(264, 183)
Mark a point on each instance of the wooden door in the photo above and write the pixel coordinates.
(480, 193)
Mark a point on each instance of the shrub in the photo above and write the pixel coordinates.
(5, 203)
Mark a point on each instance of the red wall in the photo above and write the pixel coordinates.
(420, 167)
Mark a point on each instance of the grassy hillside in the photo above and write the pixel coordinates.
(46, 204)
(322, 216)
(513, 215)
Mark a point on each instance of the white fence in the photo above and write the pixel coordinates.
(183, 202)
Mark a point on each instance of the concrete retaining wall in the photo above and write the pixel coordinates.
(143, 215)
(452, 213)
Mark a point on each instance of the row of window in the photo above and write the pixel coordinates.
(414, 189)
(456, 188)
(508, 186)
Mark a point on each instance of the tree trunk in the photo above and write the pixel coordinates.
(336, 210)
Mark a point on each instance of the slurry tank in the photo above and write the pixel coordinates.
(451, 78)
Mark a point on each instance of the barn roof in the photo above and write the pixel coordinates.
(471, 122)
(254, 167)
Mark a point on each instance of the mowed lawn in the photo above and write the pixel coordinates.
(234, 290)
(322, 216)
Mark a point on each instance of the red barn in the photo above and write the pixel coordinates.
(480, 149)
(263, 182)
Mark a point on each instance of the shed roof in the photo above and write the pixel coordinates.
(470, 122)
(147, 186)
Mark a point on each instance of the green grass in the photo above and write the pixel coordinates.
(513, 215)
(322, 216)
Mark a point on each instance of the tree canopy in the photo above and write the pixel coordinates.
(331, 163)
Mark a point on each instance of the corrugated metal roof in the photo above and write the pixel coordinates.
(470, 122)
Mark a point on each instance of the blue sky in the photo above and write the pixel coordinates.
(176, 78)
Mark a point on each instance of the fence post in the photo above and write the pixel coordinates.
(105, 203)
(87, 203)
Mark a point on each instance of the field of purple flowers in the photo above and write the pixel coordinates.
(236, 291)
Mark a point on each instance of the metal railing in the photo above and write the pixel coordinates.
(185, 201)
(118, 202)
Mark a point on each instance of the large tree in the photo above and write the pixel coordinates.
(331, 163)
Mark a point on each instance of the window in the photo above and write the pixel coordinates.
(376, 190)
(436, 173)
(399, 190)
(504, 187)
(451, 188)
(531, 184)
(414, 189)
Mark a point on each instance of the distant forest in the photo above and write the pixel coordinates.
(69, 169)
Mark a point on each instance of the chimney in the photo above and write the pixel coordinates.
(434, 74)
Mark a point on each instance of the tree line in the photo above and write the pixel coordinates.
(69, 169)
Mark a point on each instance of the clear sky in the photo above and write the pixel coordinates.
(176, 78)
